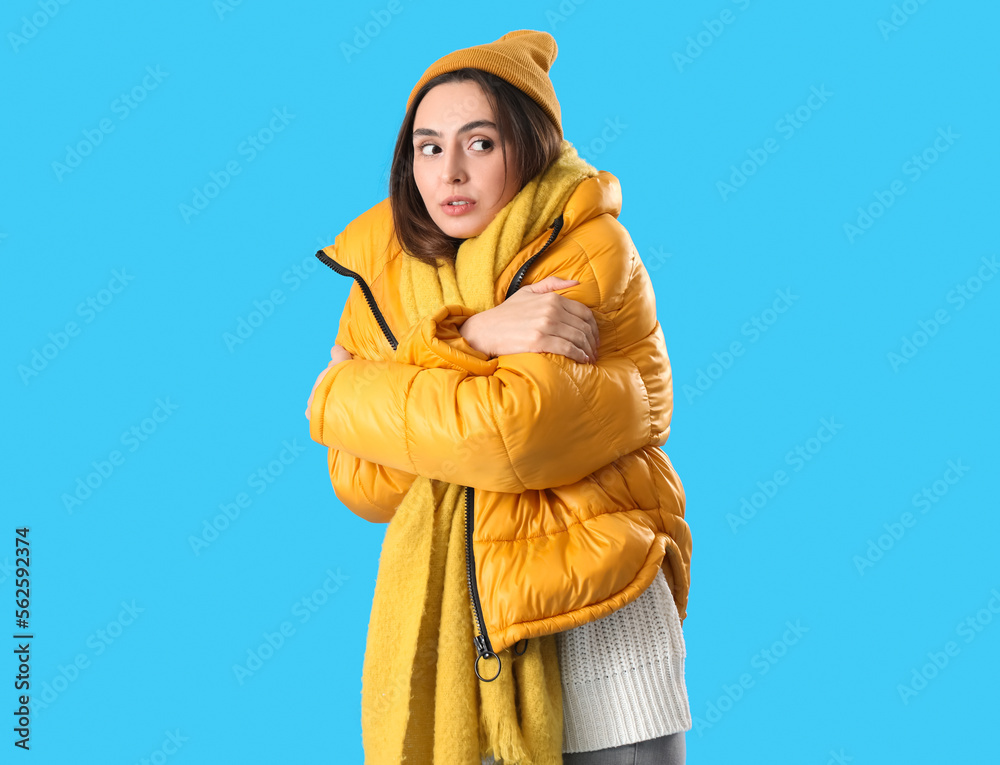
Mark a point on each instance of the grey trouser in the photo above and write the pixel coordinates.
(666, 750)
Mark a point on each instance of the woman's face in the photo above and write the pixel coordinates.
(457, 157)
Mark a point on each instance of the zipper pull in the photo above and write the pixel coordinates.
(483, 653)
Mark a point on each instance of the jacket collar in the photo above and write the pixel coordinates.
(367, 244)
(593, 196)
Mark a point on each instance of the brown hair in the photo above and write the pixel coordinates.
(521, 123)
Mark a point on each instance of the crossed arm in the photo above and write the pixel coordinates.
(443, 410)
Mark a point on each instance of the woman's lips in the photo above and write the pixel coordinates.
(458, 209)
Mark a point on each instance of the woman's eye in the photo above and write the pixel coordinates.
(428, 149)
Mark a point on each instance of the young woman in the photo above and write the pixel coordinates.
(498, 394)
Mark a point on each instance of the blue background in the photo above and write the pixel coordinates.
(693, 100)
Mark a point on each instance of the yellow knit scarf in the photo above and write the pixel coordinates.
(422, 702)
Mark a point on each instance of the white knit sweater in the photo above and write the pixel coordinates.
(623, 675)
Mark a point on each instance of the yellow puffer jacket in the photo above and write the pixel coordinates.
(571, 504)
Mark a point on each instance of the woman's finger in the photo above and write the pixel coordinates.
(580, 318)
(568, 348)
(319, 379)
(548, 284)
(536, 319)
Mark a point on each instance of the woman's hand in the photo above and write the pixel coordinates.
(337, 353)
(535, 319)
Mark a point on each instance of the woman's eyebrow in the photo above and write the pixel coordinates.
(467, 127)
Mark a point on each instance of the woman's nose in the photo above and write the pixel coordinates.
(453, 169)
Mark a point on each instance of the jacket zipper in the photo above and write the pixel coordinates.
(483, 646)
(328, 261)
(515, 283)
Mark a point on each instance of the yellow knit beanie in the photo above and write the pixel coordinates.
(522, 58)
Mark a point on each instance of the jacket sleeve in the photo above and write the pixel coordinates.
(508, 424)
(368, 489)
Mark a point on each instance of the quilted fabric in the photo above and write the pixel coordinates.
(576, 505)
